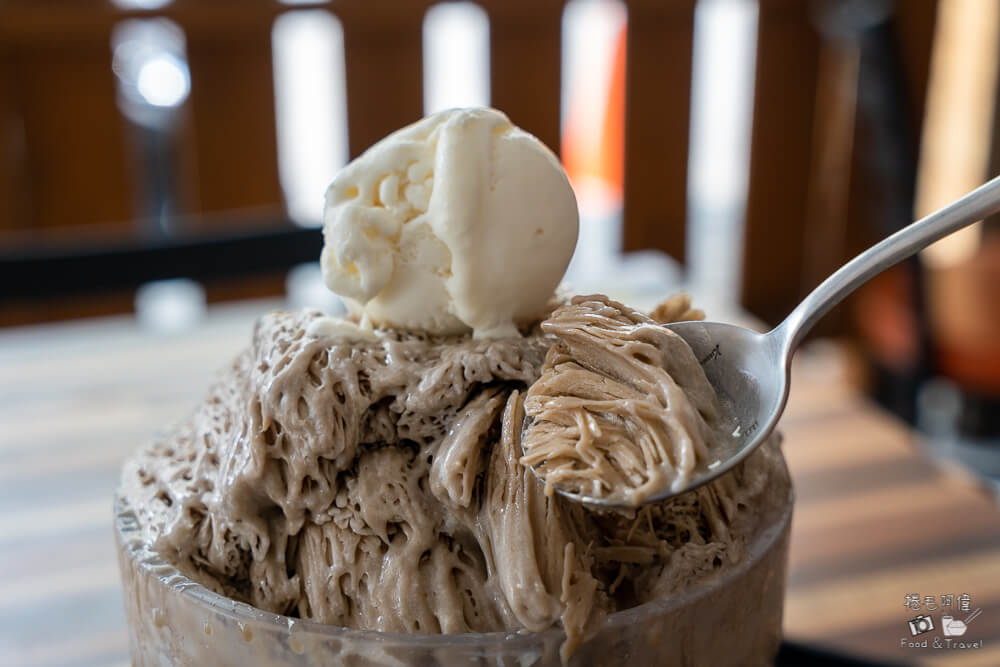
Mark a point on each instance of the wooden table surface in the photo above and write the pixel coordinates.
(874, 520)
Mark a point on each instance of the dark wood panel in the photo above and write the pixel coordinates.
(788, 48)
(525, 64)
(872, 213)
(383, 56)
(35, 311)
(70, 22)
(826, 218)
(12, 180)
(657, 119)
(835, 139)
(914, 22)
(75, 155)
(79, 155)
(232, 107)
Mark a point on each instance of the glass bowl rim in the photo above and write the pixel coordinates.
(130, 542)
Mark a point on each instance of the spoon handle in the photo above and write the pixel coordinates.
(974, 206)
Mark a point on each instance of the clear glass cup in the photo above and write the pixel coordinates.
(731, 619)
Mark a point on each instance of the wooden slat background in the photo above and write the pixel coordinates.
(657, 120)
(60, 169)
(874, 520)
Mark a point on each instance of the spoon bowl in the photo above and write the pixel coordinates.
(750, 371)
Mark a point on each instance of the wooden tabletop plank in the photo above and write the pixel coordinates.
(874, 521)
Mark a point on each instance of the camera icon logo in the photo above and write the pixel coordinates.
(921, 624)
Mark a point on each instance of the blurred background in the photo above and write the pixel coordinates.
(741, 149)
(163, 160)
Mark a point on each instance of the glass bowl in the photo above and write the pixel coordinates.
(733, 618)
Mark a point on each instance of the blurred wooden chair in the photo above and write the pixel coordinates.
(66, 147)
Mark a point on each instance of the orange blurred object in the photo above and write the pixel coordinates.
(595, 156)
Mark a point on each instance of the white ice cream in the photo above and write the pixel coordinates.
(460, 221)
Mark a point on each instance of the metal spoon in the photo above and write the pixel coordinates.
(750, 370)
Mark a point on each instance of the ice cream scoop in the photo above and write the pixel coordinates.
(461, 221)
